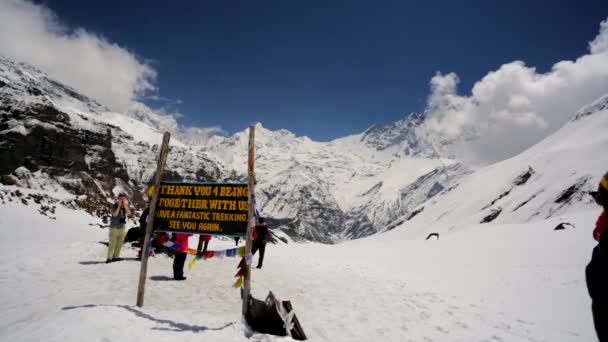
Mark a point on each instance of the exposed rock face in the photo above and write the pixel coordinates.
(41, 138)
(54, 144)
(49, 147)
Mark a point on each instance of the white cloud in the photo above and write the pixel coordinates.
(200, 135)
(600, 43)
(91, 64)
(166, 120)
(514, 107)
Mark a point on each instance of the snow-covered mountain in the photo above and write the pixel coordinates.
(549, 179)
(56, 138)
(386, 177)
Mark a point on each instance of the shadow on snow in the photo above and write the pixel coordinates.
(173, 326)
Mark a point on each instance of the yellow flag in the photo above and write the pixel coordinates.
(240, 251)
(238, 283)
(191, 263)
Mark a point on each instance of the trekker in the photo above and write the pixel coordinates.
(181, 242)
(203, 243)
(120, 212)
(259, 240)
(143, 219)
(143, 222)
(597, 270)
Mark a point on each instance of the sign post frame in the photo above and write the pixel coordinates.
(162, 159)
(250, 219)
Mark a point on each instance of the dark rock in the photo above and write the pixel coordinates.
(414, 213)
(524, 202)
(34, 91)
(524, 177)
(492, 216)
(436, 235)
(437, 188)
(518, 181)
(574, 191)
(563, 226)
(504, 194)
(133, 234)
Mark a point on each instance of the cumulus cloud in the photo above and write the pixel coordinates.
(200, 135)
(91, 64)
(514, 107)
(166, 120)
(600, 43)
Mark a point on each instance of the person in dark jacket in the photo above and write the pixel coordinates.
(181, 242)
(143, 219)
(597, 270)
(203, 243)
(259, 240)
(142, 228)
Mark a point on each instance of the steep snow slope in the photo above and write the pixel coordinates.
(549, 179)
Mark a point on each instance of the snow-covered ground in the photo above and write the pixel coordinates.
(486, 282)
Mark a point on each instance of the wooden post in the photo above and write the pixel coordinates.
(201, 242)
(199, 248)
(164, 150)
(250, 219)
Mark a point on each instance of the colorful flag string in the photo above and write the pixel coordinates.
(245, 260)
(230, 253)
(149, 246)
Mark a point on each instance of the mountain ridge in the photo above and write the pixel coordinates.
(350, 187)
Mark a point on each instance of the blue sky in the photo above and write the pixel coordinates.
(326, 69)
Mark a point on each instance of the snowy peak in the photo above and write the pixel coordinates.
(597, 106)
(21, 84)
(401, 135)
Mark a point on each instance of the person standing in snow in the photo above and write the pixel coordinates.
(259, 240)
(597, 271)
(203, 243)
(181, 245)
(143, 222)
(118, 220)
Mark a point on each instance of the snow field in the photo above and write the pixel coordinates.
(483, 283)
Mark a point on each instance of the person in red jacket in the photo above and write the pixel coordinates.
(600, 225)
(259, 240)
(181, 244)
(597, 271)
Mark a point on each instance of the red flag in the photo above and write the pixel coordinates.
(240, 273)
(208, 254)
